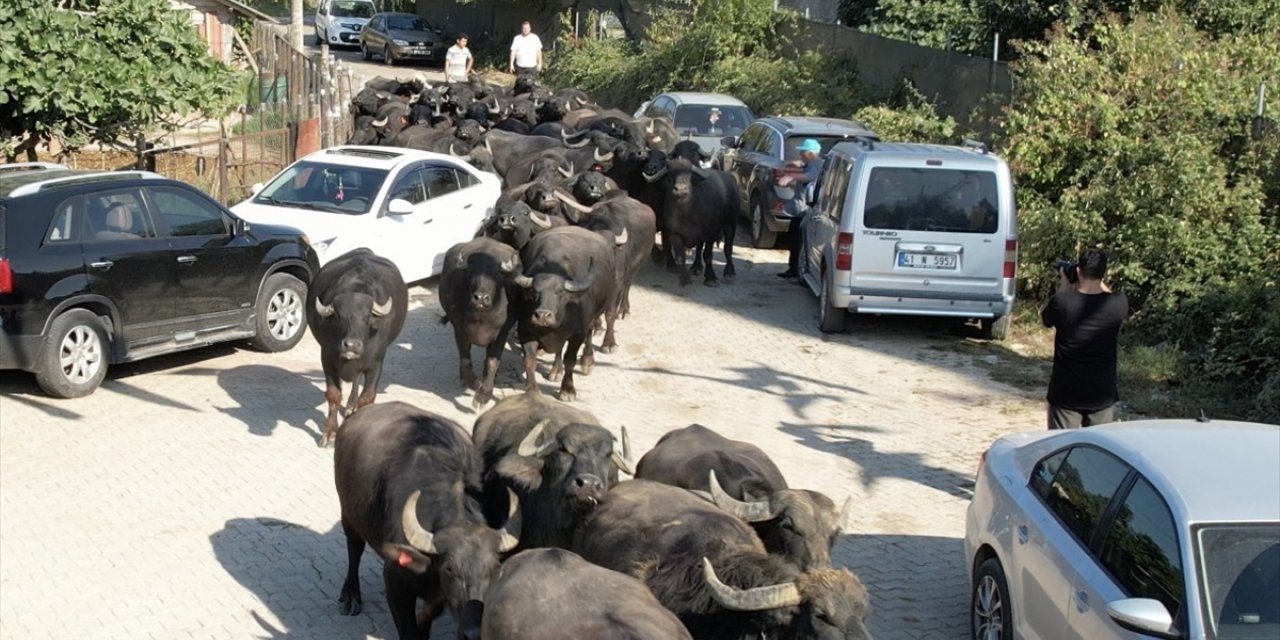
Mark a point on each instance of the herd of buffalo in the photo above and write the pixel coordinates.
(520, 527)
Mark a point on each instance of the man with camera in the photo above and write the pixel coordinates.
(1087, 317)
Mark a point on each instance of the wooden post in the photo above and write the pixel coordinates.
(224, 147)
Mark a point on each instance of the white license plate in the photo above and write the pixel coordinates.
(928, 260)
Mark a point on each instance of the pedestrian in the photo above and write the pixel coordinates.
(1086, 315)
(799, 205)
(458, 61)
(526, 53)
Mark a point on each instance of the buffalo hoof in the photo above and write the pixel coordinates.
(712, 283)
(471, 384)
(608, 348)
(587, 365)
(555, 375)
(481, 400)
(349, 605)
(729, 278)
(567, 395)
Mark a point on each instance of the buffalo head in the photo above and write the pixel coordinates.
(573, 466)
(590, 187)
(469, 131)
(826, 604)
(358, 317)
(548, 295)
(800, 525)
(485, 277)
(515, 223)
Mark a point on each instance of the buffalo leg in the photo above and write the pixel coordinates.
(710, 280)
(355, 395)
(557, 368)
(610, 343)
(402, 600)
(567, 392)
(332, 395)
(531, 367)
(349, 601)
(696, 267)
(492, 358)
(371, 378)
(466, 369)
(677, 247)
(730, 228)
(588, 361)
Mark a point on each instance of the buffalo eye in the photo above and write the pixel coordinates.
(789, 525)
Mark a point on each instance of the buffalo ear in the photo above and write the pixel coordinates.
(405, 556)
(525, 472)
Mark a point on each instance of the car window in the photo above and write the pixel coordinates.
(318, 186)
(1082, 489)
(466, 179)
(770, 144)
(1044, 471)
(915, 199)
(116, 215)
(1141, 548)
(351, 9)
(186, 214)
(409, 186)
(711, 120)
(835, 187)
(789, 151)
(751, 137)
(406, 23)
(62, 228)
(440, 181)
(1240, 569)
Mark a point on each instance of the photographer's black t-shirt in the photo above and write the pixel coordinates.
(1084, 348)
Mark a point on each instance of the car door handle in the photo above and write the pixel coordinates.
(186, 259)
(104, 264)
(1082, 601)
(468, 205)
(1023, 534)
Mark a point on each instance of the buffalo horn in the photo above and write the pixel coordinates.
(455, 153)
(574, 204)
(565, 172)
(539, 219)
(509, 265)
(461, 262)
(418, 537)
(620, 239)
(383, 309)
(578, 286)
(754, 511)
(523, 281)
(655, 177)
(581, 102)
(325, 310)
(702, 173)
(648, 128)
(511, 529)
(378, 124)
(774, 596)
(438, 113)
(530, 448)
(602, 158)
(487, 147)
(623, 461)
(845, 512)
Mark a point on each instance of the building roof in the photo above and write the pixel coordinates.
(240, 7)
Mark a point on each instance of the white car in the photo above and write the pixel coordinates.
(406, 205)
(339, 22)
(1160, 528)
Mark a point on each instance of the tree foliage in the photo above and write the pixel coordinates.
(115, 73)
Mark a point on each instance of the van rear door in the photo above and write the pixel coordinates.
(931, 230)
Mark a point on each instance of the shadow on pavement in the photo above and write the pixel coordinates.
(918, 584)
(874, 465)
(268, 395)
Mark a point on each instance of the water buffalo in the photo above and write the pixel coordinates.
(553, 163)
(508, 148)
(800, 525)
(590, 187)
(701, 207)
(478, 297)
(356, 306)
(556, 458)
(569, 281)
(691, 151)
(621, 214)
(515, 223)
(711, 569)
(550, 594)
(407, 481)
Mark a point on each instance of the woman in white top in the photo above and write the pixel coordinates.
(458, 61)
(526, 52)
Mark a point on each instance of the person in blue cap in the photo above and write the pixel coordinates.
(812, 163)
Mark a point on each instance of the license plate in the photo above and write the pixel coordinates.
(928, 260)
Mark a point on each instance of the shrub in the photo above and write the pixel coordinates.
(909, 117)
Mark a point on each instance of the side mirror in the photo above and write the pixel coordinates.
(1145, 616)
(729, 142)
(399, 207)
(256, 188)
(239, 226)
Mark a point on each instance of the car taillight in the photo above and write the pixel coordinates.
(1011, 258)
(6, 276)
(844, 252)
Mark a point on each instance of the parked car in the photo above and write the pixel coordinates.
(1162, 528)
(402, 36)
(98, 268)
(758, 160)
(405, 205)
(913, 229)
(704, 117)
(339, 22)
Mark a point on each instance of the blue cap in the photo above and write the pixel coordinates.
(810, 144)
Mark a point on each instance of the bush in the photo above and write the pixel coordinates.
(909, 117)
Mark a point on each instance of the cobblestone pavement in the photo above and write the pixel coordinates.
(187, 497)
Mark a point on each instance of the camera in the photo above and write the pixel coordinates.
(1067, 267)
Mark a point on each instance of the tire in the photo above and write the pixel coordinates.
(990, 614)
(995, 328)
(761, 236)
(830, 318)
(386, 56)
(73, 359)
(280, 313)
(364, 51)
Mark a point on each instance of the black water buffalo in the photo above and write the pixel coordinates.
(701, 207)
(507, 148)
(513, 125)
(691, 151)
(407, 484)
(652, 133)
(711, 569)
(622, 214)
(469, 131)
(515, 223)
(590, 187)
(478, 297)
(553, 163)
(569, 281)
(800, 525)
(356, 307)
(551, 594)
(557, 459)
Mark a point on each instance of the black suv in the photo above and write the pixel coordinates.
(757, 159)
(98, 268)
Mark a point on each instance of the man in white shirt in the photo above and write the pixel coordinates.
(526, 52)
(458, 61)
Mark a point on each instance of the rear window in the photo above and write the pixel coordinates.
(789, 149)
(916, 199)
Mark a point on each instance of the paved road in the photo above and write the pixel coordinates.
(187, 497)
(364, 70)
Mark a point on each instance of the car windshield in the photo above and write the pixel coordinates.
(324, 187)
(913, 199)
(1240, 580)
(789, 149)
(712, 120)
(351, 9)
(406, 23)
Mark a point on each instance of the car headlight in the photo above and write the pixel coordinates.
(352, 26)
(399, 43)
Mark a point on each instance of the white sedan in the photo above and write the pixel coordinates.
(406, 205)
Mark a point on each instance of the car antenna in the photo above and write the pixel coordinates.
(1204, 417)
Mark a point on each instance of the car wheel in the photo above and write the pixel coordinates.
(364, 51)
(280, 312)
(73, 361)
(995, 328)
(990, 615)
(830, 319)
(386, 56)
(761, 236)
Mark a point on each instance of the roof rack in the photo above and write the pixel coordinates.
(36, 187)
(31, 166)
(869, 141)
(976, 145)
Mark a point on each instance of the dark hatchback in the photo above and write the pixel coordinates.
(757, 159)
(401, 36)
(98, 268)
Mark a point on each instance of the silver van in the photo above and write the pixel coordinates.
(912, 229)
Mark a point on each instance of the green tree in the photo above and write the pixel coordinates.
(113, 74)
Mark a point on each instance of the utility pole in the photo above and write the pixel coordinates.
(295, 24)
